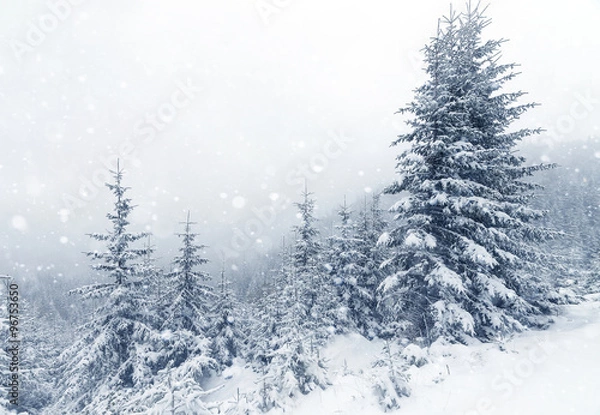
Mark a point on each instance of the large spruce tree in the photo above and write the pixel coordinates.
(465, 261)
(113, 356)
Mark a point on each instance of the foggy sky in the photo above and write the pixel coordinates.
(225, 107)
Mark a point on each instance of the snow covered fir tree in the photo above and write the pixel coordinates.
(110, 360)
(226, 335)
(352, 273)
(369, 303)
(466, 261)
(183, 357)
(141, 352)
(290, 362)
(189, 298)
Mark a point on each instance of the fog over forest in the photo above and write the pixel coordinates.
(265, 95)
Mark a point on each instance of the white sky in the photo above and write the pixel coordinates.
(274, 93)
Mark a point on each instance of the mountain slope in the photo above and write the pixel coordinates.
(537, 372)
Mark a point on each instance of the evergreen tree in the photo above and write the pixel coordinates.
(272, 306)
(187, 303)
(465, 244)
(226, 337)
(113, 355)
(38, 350)
(119, 261)
(348, 264)
(390, 382)
(182, 359)
(313, 289)
(153, 278)
(190, 298)
(372, 223)
(174, 391)
(293, 363)
(378, 221)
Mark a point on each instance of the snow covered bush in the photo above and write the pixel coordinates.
(390, 382)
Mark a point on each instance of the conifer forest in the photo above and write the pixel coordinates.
(282, 207)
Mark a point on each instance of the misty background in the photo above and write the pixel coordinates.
(224, 108)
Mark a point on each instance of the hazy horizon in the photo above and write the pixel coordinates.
(224, 108)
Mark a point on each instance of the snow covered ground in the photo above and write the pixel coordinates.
(555, 371)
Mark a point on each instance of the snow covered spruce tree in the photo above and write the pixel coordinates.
(182, 359)
(314, 287)
(370, 225)
(190, 297)
(152, 276)
(113, 356)
(294, 365)
(466, 256)
(185, 357)
(39, 350)
(271, 307)
(390, 381)
(348, 268)
(225, 334)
